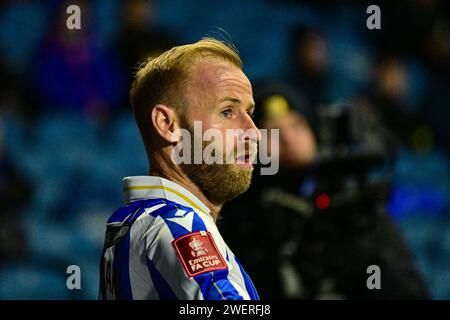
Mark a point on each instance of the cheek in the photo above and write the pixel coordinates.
(230, 141)
(298, 142)
(271, 147)
(306, 146)
(221, 142)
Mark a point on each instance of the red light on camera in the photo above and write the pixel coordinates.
(323, 201)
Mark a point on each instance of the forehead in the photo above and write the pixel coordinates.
(290, 119)
(219, 77)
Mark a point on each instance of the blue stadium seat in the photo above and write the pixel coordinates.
(27, 281)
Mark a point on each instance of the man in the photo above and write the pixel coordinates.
(164, 244)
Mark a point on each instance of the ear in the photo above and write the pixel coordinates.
(164, 120)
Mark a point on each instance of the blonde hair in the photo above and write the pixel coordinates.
(161, 80)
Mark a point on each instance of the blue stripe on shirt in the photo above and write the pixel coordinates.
(121, 269)
(161, 285)
(248, 282)
(121, 214)
(215, 286)
(197, 223)
(131, 212)
(175, 229)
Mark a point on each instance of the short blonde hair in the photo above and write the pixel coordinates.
(161, 80)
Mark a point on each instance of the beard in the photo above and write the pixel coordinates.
(219, 182)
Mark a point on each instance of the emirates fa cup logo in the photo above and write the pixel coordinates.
(197, 248)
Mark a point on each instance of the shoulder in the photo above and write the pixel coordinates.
(130, 212)
(181, 220)
(162, 219)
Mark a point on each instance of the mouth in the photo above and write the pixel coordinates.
(245, 160)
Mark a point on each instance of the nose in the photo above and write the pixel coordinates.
(285, 137)
(252, 131)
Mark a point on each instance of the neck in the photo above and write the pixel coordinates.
(175, 174)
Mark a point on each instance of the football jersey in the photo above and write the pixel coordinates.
(164, 244)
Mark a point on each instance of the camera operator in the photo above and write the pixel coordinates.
(312, 230)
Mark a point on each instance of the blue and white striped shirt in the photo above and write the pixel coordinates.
(164, 244)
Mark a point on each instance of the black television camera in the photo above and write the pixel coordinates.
(353, 164)
(354, 159)
(336, 207)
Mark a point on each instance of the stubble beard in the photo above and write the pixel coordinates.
(219, 182)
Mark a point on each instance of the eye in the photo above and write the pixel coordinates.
(226, 113)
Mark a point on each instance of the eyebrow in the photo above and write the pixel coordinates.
(236, 101)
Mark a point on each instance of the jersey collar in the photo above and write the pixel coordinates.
(152, 187)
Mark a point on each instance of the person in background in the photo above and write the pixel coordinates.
(311, 66)
(138, 37)
(308, 239)
(75, 71)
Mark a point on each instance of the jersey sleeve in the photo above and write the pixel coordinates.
(187, 264)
